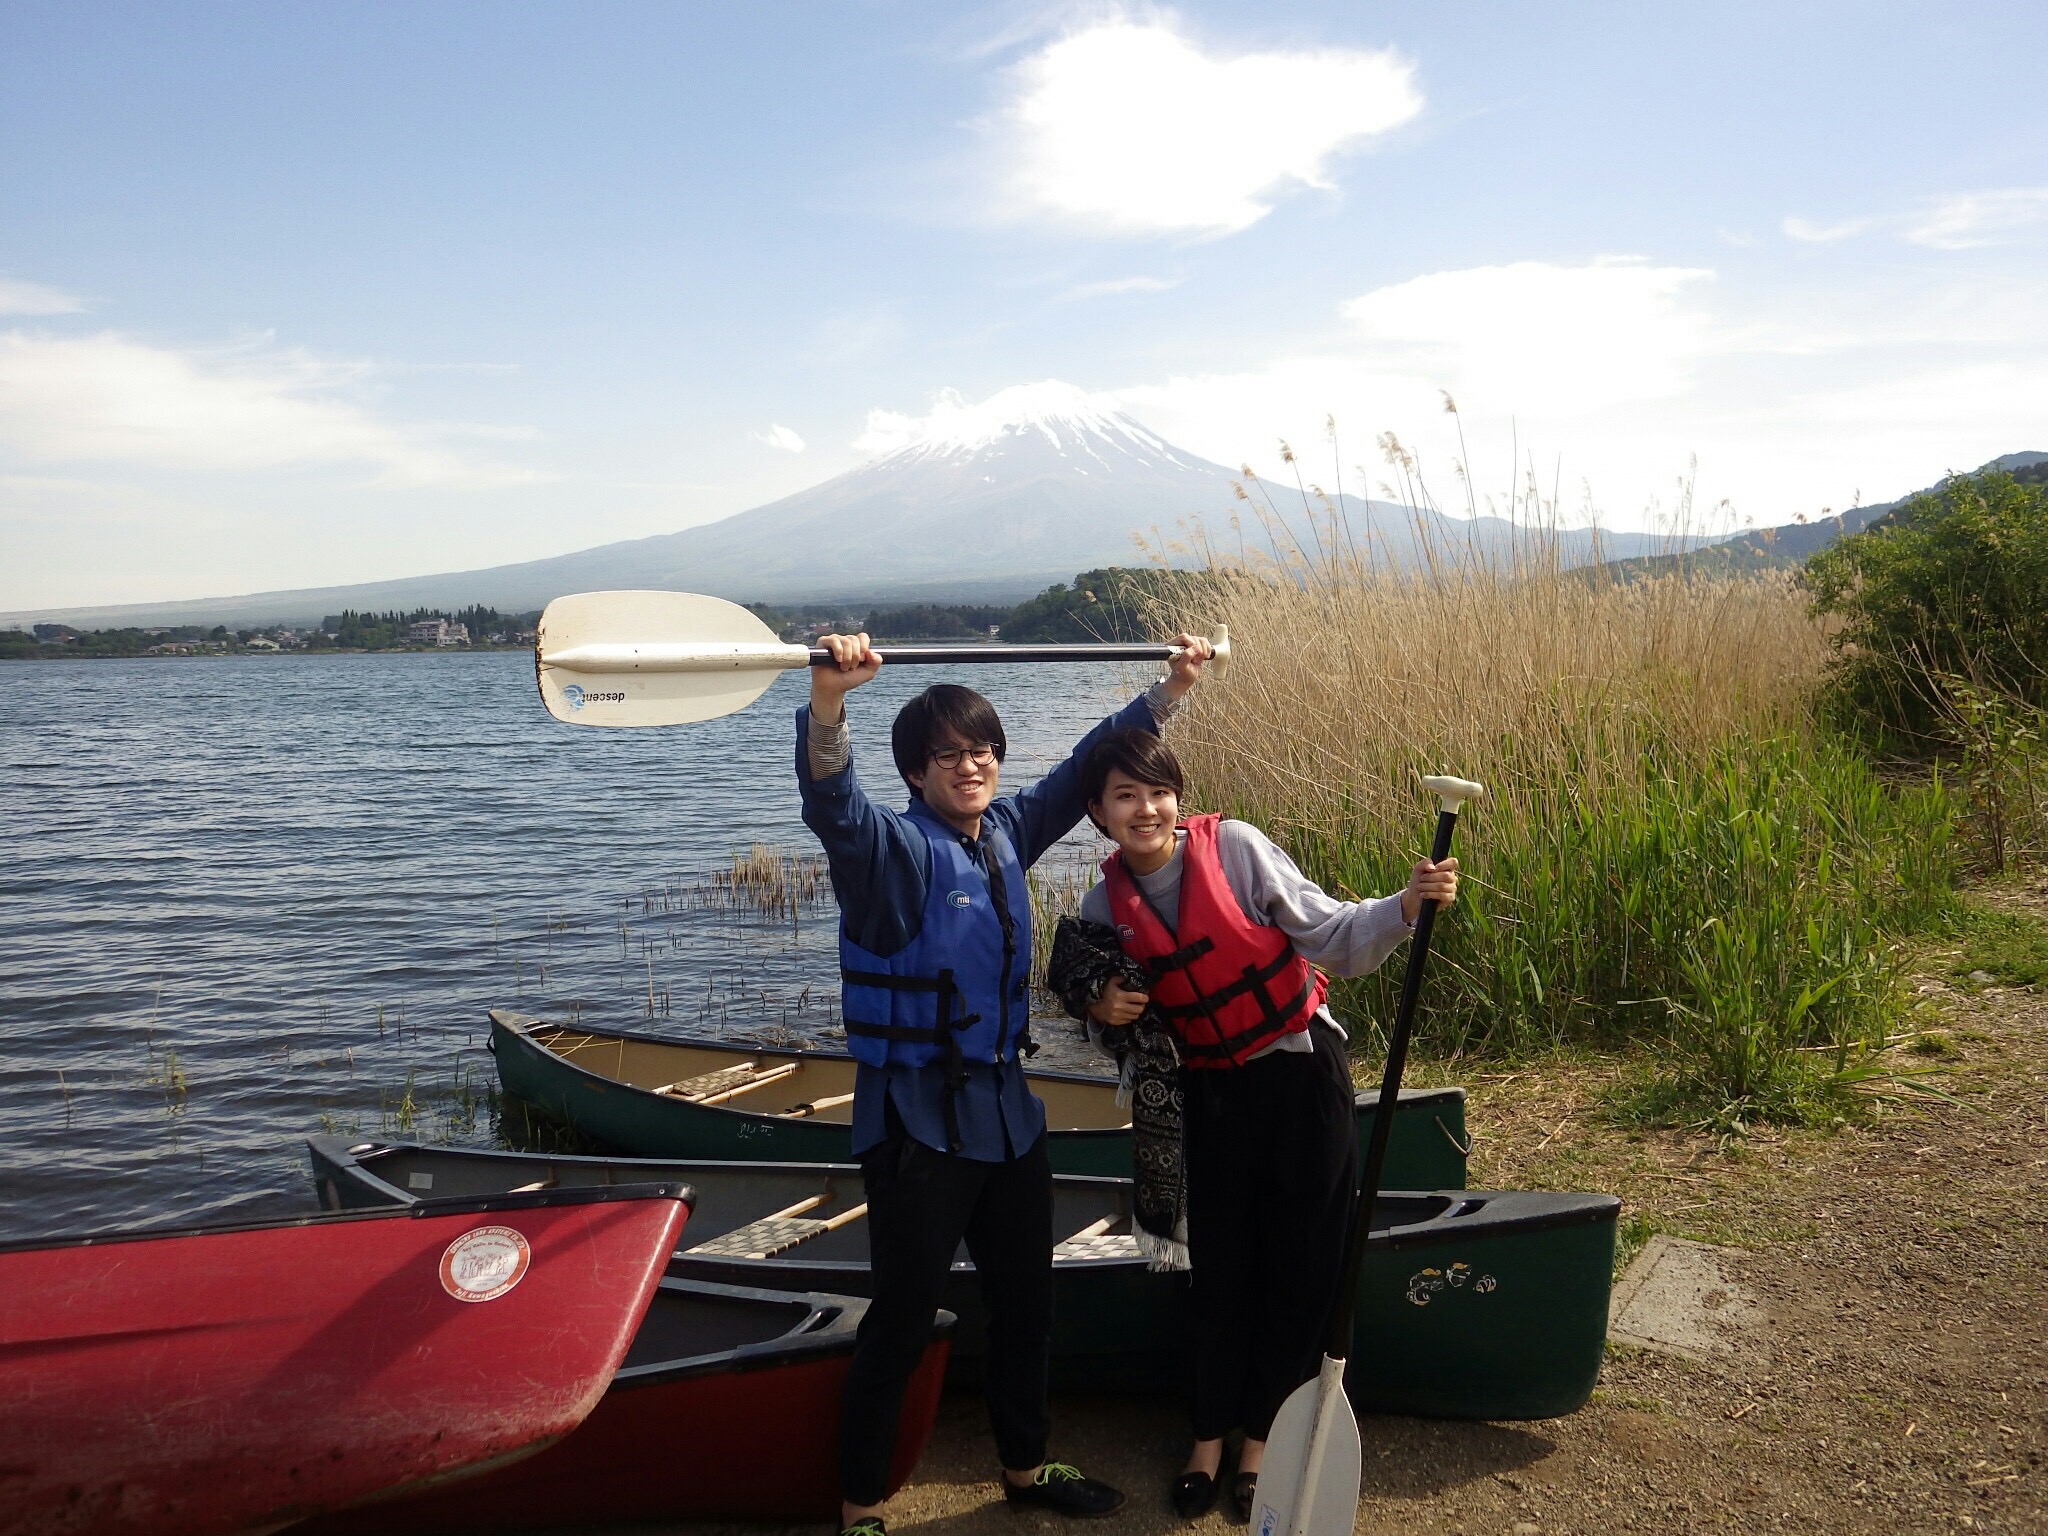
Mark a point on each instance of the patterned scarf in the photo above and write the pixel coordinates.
(1085, 956)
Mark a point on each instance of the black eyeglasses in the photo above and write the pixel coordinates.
(949, 757)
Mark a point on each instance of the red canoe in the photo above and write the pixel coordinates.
(727, 1408)
(235, 1378)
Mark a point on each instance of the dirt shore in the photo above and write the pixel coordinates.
(1895, 1378)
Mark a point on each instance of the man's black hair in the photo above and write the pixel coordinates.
(1138, 754)
(943, 714)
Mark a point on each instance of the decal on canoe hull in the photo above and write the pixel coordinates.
(1425, 1283)
(484, 1263)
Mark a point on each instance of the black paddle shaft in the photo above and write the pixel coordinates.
(936, 655)
(1339, 1344)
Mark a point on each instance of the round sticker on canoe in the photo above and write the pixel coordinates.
(484, 1263)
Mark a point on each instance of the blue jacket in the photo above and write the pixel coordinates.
(881, 864)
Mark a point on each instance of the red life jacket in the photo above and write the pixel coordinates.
(1237, 987)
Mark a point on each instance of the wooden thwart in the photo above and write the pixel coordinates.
(816, 1105)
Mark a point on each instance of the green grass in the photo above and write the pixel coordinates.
(2004, 949)
(1742, 916)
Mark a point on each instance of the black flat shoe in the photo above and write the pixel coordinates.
(1244, 1488)
(1193, 1495)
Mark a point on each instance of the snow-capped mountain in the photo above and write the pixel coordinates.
(992, 500)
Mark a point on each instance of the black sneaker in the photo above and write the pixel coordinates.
(1063, 1490)
(873, 1525)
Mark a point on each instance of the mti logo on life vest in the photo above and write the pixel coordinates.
(960, 899)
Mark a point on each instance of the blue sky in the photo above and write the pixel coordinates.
(299, 294)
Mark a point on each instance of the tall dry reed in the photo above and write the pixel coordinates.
(1671, 849)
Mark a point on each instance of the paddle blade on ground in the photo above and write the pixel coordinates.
(654, 658)
(1308, 1483)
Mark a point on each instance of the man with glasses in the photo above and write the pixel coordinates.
(935, 961)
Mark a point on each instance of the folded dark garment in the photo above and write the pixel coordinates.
(1085, 956)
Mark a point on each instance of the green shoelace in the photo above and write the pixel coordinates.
(1060, 1470)
(865, 1528)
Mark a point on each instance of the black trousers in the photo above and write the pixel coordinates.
(1272, 1168)
(921, 1204)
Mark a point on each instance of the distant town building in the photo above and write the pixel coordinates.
(261, 644)
(454, 634)
(427, 632)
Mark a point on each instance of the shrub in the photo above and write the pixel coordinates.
(1950, 591)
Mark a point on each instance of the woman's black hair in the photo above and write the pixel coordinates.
(943, 713)
(1137, 754)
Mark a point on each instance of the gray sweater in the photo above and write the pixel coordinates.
(1345, 938)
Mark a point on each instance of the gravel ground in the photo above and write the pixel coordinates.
(1896, 1378)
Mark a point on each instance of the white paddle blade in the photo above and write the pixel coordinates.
(1308, 1483)
(654, 658)
(1219, 643)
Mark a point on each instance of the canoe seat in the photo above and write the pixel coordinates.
(1107, 1245)
(710, 1082)
(760, 1239)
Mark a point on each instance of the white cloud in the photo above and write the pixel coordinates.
(1572, 338)
(20, 297)
(1615, 374)
(1111, 287)
(108, 398)
(1128, 128)
(1970, 219)
(1807, 232)
(779, 436)
(1959, 221)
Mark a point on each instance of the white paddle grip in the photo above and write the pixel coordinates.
(1453, 792)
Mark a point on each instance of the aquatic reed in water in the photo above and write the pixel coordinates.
(774, 882)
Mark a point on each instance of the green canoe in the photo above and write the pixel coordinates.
(1471, 1304)
(711, 1099)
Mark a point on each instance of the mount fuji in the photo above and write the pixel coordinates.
(991, 501)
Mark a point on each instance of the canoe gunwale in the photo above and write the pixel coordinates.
(522, 1026)
(807, 1340)
(415, 1206)
(1548, 1210)
(1584, 1210)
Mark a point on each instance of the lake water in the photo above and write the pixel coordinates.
(250, 899)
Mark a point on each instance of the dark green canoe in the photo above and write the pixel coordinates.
(653, 1097)
(1473, 1305)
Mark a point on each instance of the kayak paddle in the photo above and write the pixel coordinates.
(669, 658)
(1308, 1483)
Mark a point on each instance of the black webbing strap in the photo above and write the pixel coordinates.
(912, 1032)
(1227, 1045)
(891, 983)
(1181, 958)
(956, 1067)
(1253, 979)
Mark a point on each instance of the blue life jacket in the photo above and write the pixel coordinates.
(958, 992)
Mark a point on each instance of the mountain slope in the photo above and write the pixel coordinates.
(992, 501)
(1792, 544)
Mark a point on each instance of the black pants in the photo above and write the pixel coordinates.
(1272, 1166)
(921, 1204)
